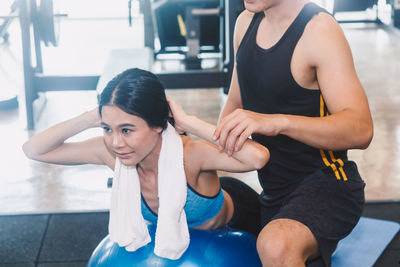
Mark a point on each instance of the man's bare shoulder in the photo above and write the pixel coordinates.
(245, 16)
(323, 24)
(322, 37)
(244, 19)
(242, 24)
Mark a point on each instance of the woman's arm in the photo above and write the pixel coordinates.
(50, 146)
(252, 156)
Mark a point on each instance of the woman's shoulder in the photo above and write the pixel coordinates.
(193, 152)
(190, 146)
(193, 146)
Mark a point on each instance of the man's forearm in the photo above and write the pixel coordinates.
(229, 107)
(343, 130)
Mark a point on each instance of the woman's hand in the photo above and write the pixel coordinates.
(179, 115)
(94, 118)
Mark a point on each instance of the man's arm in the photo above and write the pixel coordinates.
(349, 124)
(234, 100)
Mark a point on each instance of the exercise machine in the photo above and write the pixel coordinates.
(354, 6)
(44, 24)
(395, 12)
(187, 27)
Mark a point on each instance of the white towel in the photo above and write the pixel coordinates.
(127, 226)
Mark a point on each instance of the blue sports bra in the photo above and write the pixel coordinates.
(198, 208)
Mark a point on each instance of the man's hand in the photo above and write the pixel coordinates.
(237, 127)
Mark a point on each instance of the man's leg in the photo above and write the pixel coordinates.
(286, 242)
(247, 212)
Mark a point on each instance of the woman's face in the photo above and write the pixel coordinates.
(128, 136)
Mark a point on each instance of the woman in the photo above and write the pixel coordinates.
(133, 112)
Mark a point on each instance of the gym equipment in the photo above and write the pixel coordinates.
(39, 14)
(224, 247)
(169, 29)
(9, 80)
(365, 243)
(8, 101)
(8, 95)
(228, 247)
(188, 27)
(191, 27)
(46, 23)
(36, 82)
(395, 12)
(43, 19)
(356, 5)
(7, 21)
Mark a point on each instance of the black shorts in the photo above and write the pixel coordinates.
(330, 208)
(247, 207)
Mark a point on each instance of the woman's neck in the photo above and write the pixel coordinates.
(149, 165)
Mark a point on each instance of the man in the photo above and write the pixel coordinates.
(294, 89)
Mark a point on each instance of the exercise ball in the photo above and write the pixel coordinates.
(219, 248)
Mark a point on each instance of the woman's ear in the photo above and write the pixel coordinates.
(158, 129)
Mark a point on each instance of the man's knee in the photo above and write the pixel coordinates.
(283, 243)
(273, 247)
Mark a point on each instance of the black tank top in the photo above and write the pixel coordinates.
(267, 86)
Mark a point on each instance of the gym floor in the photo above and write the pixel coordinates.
(29, 187)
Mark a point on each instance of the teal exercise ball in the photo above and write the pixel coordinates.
(219, 248)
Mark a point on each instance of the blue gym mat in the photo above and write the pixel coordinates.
(365, 243)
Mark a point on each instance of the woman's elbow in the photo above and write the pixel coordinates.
(28, 151)
(261, 159)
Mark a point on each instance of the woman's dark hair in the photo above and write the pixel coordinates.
(140, 93)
